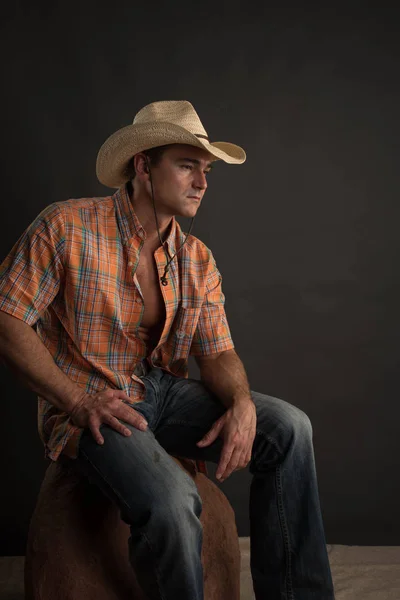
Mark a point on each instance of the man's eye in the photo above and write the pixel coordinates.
(187, 167)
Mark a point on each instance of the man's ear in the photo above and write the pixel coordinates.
(141, 163)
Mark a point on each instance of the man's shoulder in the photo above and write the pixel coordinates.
(76, 208)
(195, 247)
(90, 205)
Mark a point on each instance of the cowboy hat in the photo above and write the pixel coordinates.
(158, 124)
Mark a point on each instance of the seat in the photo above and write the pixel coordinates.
(77, 544)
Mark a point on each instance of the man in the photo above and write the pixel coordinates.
(101, 302)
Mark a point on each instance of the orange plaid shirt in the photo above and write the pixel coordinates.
(71, 276)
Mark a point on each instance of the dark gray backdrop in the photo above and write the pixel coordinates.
(305, 232)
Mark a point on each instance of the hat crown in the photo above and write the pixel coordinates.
(178, 112)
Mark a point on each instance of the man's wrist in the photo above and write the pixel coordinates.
(71, 399)
(242, 400)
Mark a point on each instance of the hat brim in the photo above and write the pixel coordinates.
(121, 146)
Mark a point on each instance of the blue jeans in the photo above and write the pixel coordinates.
(160, 502)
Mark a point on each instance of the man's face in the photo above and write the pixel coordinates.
(180, 180)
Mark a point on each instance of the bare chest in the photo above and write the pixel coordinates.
(154, 309)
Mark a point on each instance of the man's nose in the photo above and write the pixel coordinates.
(200, 180)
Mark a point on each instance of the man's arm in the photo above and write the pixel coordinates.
(24, 352)
(30, 278)
(224, 375)
(222, 372)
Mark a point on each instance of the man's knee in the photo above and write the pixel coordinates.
(179, 499)
(296, 424)
(281, 425)
(301, 422)
(280, 412)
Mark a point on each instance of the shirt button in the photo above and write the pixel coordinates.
(180, 334)
(130, 263)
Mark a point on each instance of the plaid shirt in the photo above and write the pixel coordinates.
(71, 276)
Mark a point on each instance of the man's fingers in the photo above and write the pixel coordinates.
(211, 435)
(243, 460)
(121, 395)
(117, 425)
(128, 416)
(131, 416)
(94, 426)
(226, 468)
(226, 455)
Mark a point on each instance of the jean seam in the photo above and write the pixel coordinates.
(177, 422)
(162, 597)
(285, 533)
(282, 520)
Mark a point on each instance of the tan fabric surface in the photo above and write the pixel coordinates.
(77, 545)
(359, 573)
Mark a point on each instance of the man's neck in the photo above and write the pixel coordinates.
(145, 214)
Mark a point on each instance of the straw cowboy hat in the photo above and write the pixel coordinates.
(158, 124)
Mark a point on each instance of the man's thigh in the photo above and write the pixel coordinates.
(178, 410)
(188, 414)
(133, 471)
(190, 410)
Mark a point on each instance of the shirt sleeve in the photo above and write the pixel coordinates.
(212, 334)
(31, 274)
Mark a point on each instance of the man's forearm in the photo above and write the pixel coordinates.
(226, 378)
(24, 352)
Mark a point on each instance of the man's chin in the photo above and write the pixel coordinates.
(189, 211)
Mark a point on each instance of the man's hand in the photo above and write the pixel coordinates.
(106, 407)
(237, 427)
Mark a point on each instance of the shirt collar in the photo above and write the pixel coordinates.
(129, 224)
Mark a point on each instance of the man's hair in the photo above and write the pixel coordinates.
(154, 155)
